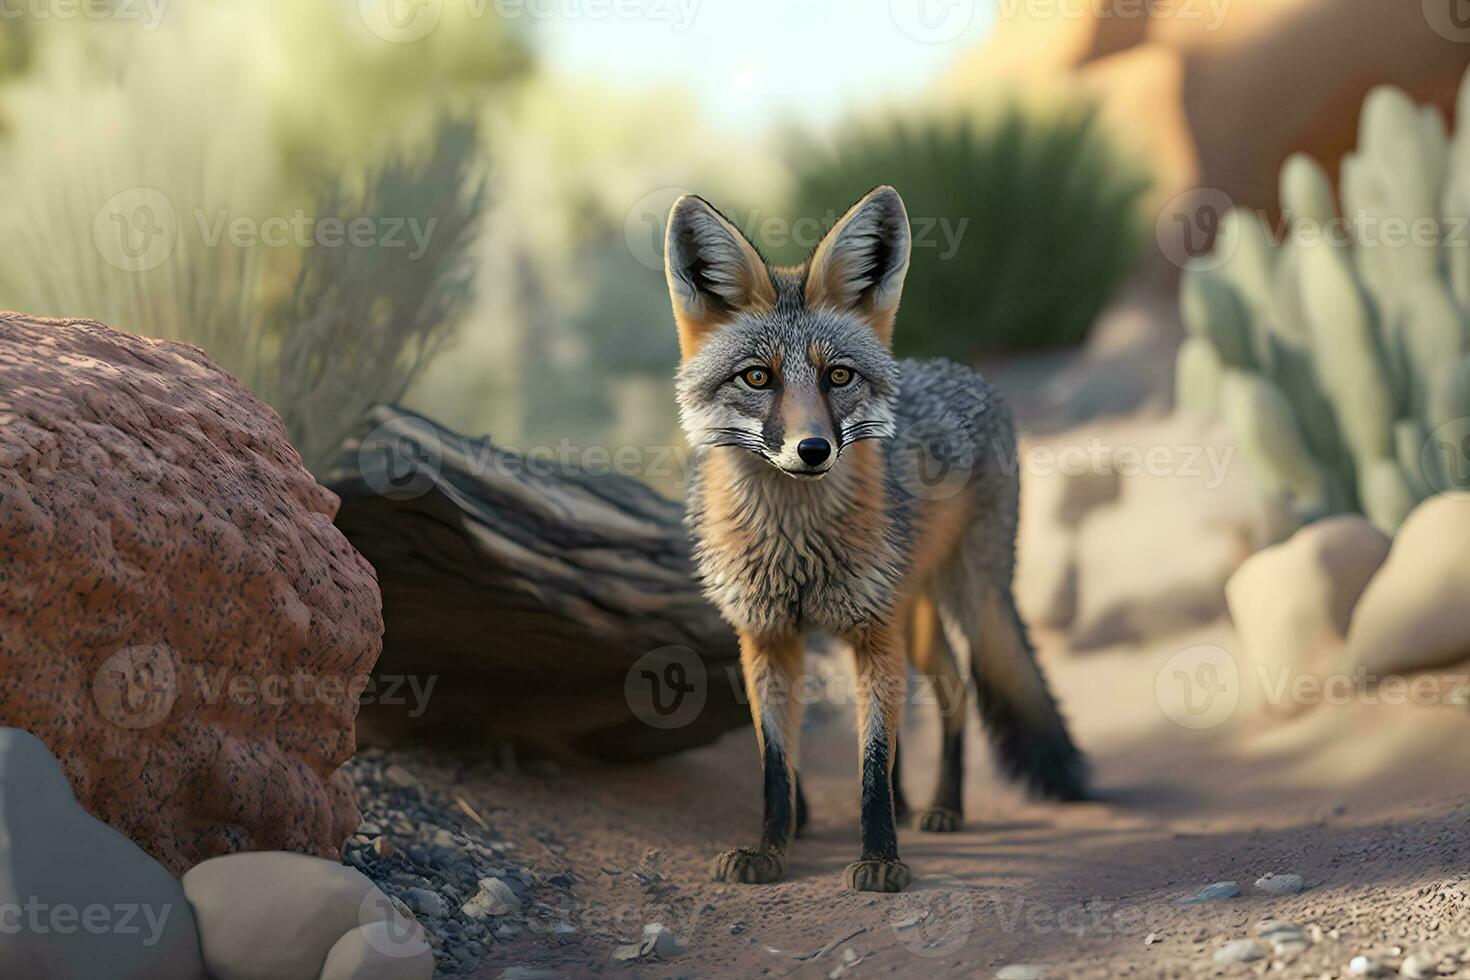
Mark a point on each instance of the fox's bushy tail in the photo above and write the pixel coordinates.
(1026, 728)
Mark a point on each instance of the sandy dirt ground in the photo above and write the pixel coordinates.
(1368, 802)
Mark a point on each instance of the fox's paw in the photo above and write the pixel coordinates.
(878, 876)
(749, 866)
(940, 820)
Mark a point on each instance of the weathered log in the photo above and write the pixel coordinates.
(549, 607)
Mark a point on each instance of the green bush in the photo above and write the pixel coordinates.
(361, 324)
(267, 112)
(1337, 353)
(1023, 226)
(321, 329)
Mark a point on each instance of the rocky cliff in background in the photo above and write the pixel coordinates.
(180, 622)
(1217, 93)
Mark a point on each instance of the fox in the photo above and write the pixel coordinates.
(813, 509)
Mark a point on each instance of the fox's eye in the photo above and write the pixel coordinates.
(839, 376)
(757, 377)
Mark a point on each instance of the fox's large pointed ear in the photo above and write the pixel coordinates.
(860, 264)
(713, 272)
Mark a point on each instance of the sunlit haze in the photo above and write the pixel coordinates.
(755, 62)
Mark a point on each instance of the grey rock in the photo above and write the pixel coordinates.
(388, 950)
(425, 902)
(659, 941)
(1212, 893)
(107, 910)
(495, 898)
(1281, 884)
(272, 914)
(1287, 939)
(1240, 951)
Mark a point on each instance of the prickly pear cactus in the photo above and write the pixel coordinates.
(1336, 347)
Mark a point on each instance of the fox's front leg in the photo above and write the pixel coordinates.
(881, 686)
(772, 665)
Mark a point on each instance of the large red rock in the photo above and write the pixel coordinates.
(180, 622)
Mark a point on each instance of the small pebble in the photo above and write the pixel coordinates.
(1363, 966)
(1281, 884)
(1211, 893)
(1419, 966)
(425, 902)
(1287, 939)
(1020, 971)
(659, 941)
(1240, 951)
(495, 898)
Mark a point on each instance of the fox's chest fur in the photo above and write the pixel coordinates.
(779, 555)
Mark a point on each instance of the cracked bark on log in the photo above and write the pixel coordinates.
(528, 593)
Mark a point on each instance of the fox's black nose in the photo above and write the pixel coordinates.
(814, 452)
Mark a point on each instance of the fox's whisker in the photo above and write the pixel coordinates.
(736, 438)
(868, 429)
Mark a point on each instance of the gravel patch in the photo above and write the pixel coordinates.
(442, 863)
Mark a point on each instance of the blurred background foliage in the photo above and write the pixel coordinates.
(538, 312)
(1025, 221)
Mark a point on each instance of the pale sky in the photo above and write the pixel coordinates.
(751, 63)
